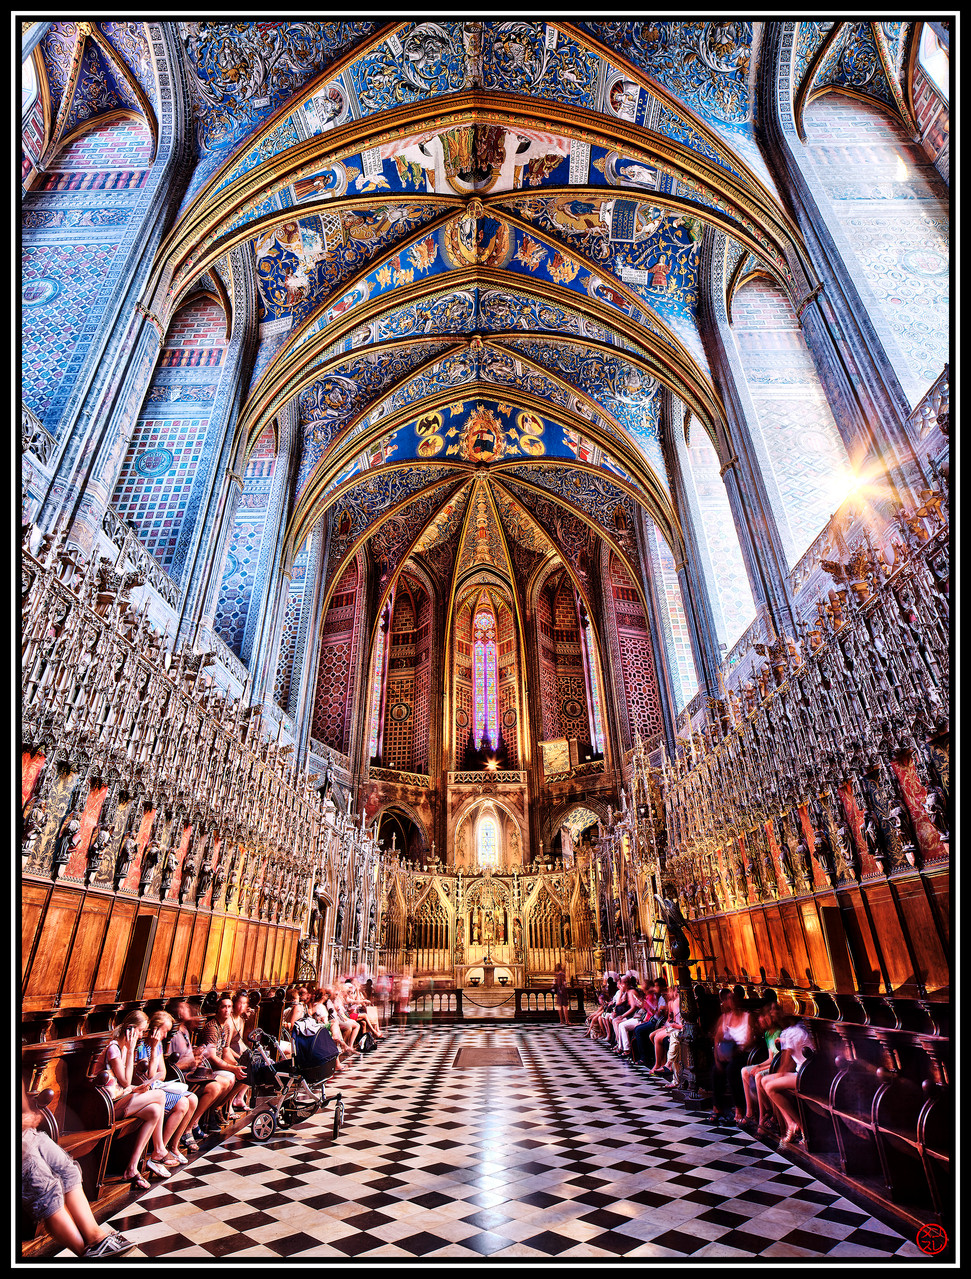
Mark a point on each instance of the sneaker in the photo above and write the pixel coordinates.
(111, 1246)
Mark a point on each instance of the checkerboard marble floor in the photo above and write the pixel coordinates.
(572, 1155)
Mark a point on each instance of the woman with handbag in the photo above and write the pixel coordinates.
(180, 1103)
(114, 1070)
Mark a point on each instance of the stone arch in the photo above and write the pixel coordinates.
(476, 801)
(399, 807)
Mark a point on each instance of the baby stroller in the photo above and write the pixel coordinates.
(287, 1091)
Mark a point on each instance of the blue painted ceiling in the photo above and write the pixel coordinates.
(460, 227)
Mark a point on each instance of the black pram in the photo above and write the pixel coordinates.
(285, 1090)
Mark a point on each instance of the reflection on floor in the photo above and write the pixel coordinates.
(572, 1154)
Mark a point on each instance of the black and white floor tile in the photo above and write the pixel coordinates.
(572, 1155)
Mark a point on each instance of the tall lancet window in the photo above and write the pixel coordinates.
(377, 686)
(485, 679)
(593, 687)
(487, 843)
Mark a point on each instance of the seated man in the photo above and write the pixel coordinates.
(50, 1189)
(197, 1067)
(218, 1035)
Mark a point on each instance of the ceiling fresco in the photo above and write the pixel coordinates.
(91, 69)
(477, 252)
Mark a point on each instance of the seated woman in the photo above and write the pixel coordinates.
(218, 1035)
(321, 1008)
(734, 1033)
(180, 1104)
(675, 1058)
(637, 1002)
(770, 1026)
(642, 1049)
(195, 1065)
(659, 1037)
(114, 1069)
(622, 1009)
(348, 1027)
(596, 1028)
(780, 1087)
(360, 1010)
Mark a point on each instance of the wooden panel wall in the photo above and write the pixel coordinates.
(75, 943)
(876, 938)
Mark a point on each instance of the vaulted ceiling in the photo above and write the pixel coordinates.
(476, 249)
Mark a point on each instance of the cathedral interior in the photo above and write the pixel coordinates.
(485, 521)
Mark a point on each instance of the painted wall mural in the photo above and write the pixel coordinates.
(653, 252)
(706, 64)
(244, 71)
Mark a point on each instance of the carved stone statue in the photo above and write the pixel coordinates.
(873, 834)
(845, 848)
(566, 930)
(96, 850)
(168, 873)
(205, 876)
(34, 825)
(188, 875)
(218, 879)
(68, 838)
(517, 936)
(339, 917)
(901, 821)
(675, 923)
(935, 806)
(149, 862)
(633, 912)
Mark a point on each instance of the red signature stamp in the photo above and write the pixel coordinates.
(932, 1239)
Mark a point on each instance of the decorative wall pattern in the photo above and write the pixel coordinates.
(636, 655)
(893, 208)
(801, 445)
(157, 477)
(242, 554)
(71, 245)
(242, 72)
(706, 64)
(284, 682)
(335, 669)
(674, 623)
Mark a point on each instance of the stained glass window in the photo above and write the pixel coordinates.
(597, 724)
(376, 690)
(487, 850)
(485, 694)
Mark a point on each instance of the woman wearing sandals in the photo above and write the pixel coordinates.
(180, 1104)
(115, 1070)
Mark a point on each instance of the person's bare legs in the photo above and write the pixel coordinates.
(211, 1095)
(179, 1119)
(781, 1090)
(151, 1111)
(74, 1226)
(748, 1088)
(658, 1038)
